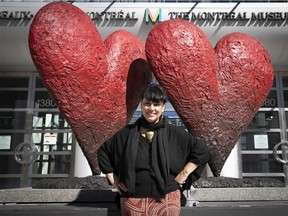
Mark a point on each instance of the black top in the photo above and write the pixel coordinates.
(142, 181)
(145, 184)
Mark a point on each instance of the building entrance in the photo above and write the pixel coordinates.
(36, 141)
(267, 129)
(30, 124)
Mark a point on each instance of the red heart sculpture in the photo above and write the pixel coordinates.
(88, 79)
(216, 92)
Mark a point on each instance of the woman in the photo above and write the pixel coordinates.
(150, 161)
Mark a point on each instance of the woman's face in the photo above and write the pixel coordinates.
(151, 110)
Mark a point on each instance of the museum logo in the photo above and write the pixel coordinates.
(153, 16)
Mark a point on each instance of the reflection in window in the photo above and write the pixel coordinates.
(52, 164)
(52, 142)
(44, 100)
(285, 92)
(39, 83)
(271, 100)
(12, 120)
(11, 166)
(52, 120)
(12, 82)
(285, 81)
(8, 162)
(265, 119)
(14, 139)
(251, 141)
(260, 164)
(29, 114)
(13, 99)
(57, 141)
(286, 115)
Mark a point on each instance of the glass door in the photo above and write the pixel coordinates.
(35, 139)
(267, 129)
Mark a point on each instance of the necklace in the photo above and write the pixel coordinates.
(149, 135)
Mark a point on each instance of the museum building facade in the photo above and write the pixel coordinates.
(36, 141)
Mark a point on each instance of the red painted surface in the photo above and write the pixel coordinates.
(88, 79)
(216, 92)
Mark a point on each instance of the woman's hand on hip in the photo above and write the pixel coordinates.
(114, 180)
(183, 175)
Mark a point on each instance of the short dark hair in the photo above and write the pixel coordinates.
(154, 93)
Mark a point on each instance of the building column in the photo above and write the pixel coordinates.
(82, 168)
(232, 165)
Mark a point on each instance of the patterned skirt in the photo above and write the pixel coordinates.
(168, 206)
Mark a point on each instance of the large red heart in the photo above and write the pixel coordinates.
(88, 79)
(216, 92)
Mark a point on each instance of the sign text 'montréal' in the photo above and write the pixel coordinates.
(157, 16)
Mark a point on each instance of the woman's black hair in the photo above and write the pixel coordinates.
(154, 93)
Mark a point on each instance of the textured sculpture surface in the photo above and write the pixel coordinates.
(88, 78)
(216, 92)
(97, 84)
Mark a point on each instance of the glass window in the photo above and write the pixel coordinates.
(12, 120)
(10, 82)
(39, 83)
(259, 141)
(9, 183)
(13, 99)
(265, 119)
(285, 92)
(9, 141)
(52, 164)
(274, 82)
(52, 142)
(271, 100)
(285, 81)
(175, 121)
(44, 100)
(50, 133)
(51, 120)
(262, 163)
(286, 115)
(11, 165)
(56, 141)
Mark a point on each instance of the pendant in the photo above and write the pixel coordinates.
(149, 135)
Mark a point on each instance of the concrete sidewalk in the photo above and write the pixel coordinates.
(79, 202)
(266, 208)
(29, 195)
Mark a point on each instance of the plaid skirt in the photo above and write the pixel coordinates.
(168, 206)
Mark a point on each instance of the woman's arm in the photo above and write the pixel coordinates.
(113, 179)
(187, 170)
